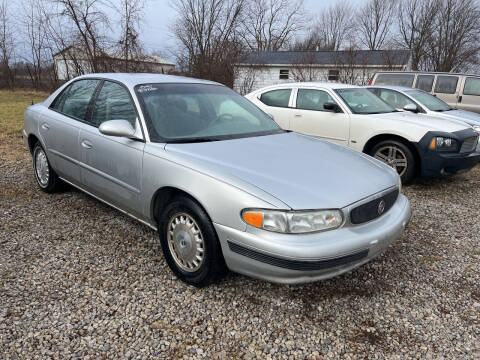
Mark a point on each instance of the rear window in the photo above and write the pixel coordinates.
(395, 79)
(446, 84)
(278, 98)
(425, 82)
(472, 86)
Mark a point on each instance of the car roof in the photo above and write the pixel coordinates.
(328, 85)
(392, 87)
(133, 79)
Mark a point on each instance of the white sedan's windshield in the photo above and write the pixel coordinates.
(430, 101)
(200, 112)
(362, 101)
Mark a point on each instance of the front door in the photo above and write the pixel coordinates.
(111, 167)
(313, 119)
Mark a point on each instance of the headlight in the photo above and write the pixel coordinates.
(443, 144)
(293, 222)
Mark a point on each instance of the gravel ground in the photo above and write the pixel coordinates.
(80, 280)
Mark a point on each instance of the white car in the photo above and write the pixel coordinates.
(419, 101)
(352, 116)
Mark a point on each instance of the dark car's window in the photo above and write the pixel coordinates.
(472, 86)
(200, 112)
(113, 103)
(431, 102)
(425, 82)
(308, 99)
(362, 101)
(394, 98)
(395, 79)
(446, 84)
(76, 101)
(278, 98)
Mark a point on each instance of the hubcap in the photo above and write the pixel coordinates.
(41, 168)
(185, 242)
(393, 157)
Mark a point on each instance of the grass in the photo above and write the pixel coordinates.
(12, 107)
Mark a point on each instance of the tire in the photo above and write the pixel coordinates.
(395, 154)
(47, 179)
(194, 238)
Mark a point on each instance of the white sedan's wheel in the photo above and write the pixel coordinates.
(393, 157)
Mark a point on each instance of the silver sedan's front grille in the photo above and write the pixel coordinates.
(469, 144)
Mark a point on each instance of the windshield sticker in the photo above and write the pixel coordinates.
(146, 88)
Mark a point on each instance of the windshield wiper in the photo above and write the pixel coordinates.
(193, 140)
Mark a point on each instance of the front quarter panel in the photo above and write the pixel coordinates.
(222, 200)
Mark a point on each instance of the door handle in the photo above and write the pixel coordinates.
(87, 144)
(460, 99)
(298, 115)
(45, 126)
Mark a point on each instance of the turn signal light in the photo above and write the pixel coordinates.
(253, 218)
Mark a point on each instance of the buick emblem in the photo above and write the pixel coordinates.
(381, 207)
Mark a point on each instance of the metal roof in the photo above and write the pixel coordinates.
(327, 57)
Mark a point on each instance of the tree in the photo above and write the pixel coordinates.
(7, 45)
(207, 32)
(130, 12)
(269, 25)
(375, 23)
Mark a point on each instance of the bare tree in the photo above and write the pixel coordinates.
(130, 12)
(7, 45)
(375, 23)
(333, 27)
(455, 43)
(304, 68)
(416, 27)
(269, 25)
(207, 35)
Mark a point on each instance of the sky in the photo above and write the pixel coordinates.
(159, 15)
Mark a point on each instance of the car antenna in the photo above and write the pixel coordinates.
(33, 102)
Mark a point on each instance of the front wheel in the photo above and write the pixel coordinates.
(398, 156)
(190, 244)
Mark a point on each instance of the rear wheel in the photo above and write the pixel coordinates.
(47, 179)
(190, 244)
(398, 156)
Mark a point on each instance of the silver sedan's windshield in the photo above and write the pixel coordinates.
(200, 112)
(430, 101)
(362, 101)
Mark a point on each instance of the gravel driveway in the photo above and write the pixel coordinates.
(80, 280)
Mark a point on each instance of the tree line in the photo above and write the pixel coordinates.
(211, 35)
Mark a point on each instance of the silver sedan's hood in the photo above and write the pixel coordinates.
(301, 171)
(468, 117)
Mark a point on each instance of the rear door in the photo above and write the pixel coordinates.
(469, 98)
(313, 119)
(277, 103)
(111, 167)
(60, 127)
(447, 88)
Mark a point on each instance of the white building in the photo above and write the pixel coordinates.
(265, 68)
(72, 62)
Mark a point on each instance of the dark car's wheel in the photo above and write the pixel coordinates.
(47, 179)
(190, 244)
(398, 156)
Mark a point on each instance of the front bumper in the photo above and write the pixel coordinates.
(288, 258)
(441, 164)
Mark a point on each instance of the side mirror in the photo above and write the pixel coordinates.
(332, 107)
(120, 128)
(411, 107)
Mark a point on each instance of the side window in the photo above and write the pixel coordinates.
(278, 98)
(395, 79)
(425, 82)
(446, 84)
(113, 103)
(394, 98)
(57, 104)
(78, 97)
(472, 86)
(308, 99)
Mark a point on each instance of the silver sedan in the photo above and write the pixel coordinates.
(225, 187)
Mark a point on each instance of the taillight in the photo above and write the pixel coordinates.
(370, 82)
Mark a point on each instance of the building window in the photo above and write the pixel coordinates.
(333, 75)
(284, 74)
